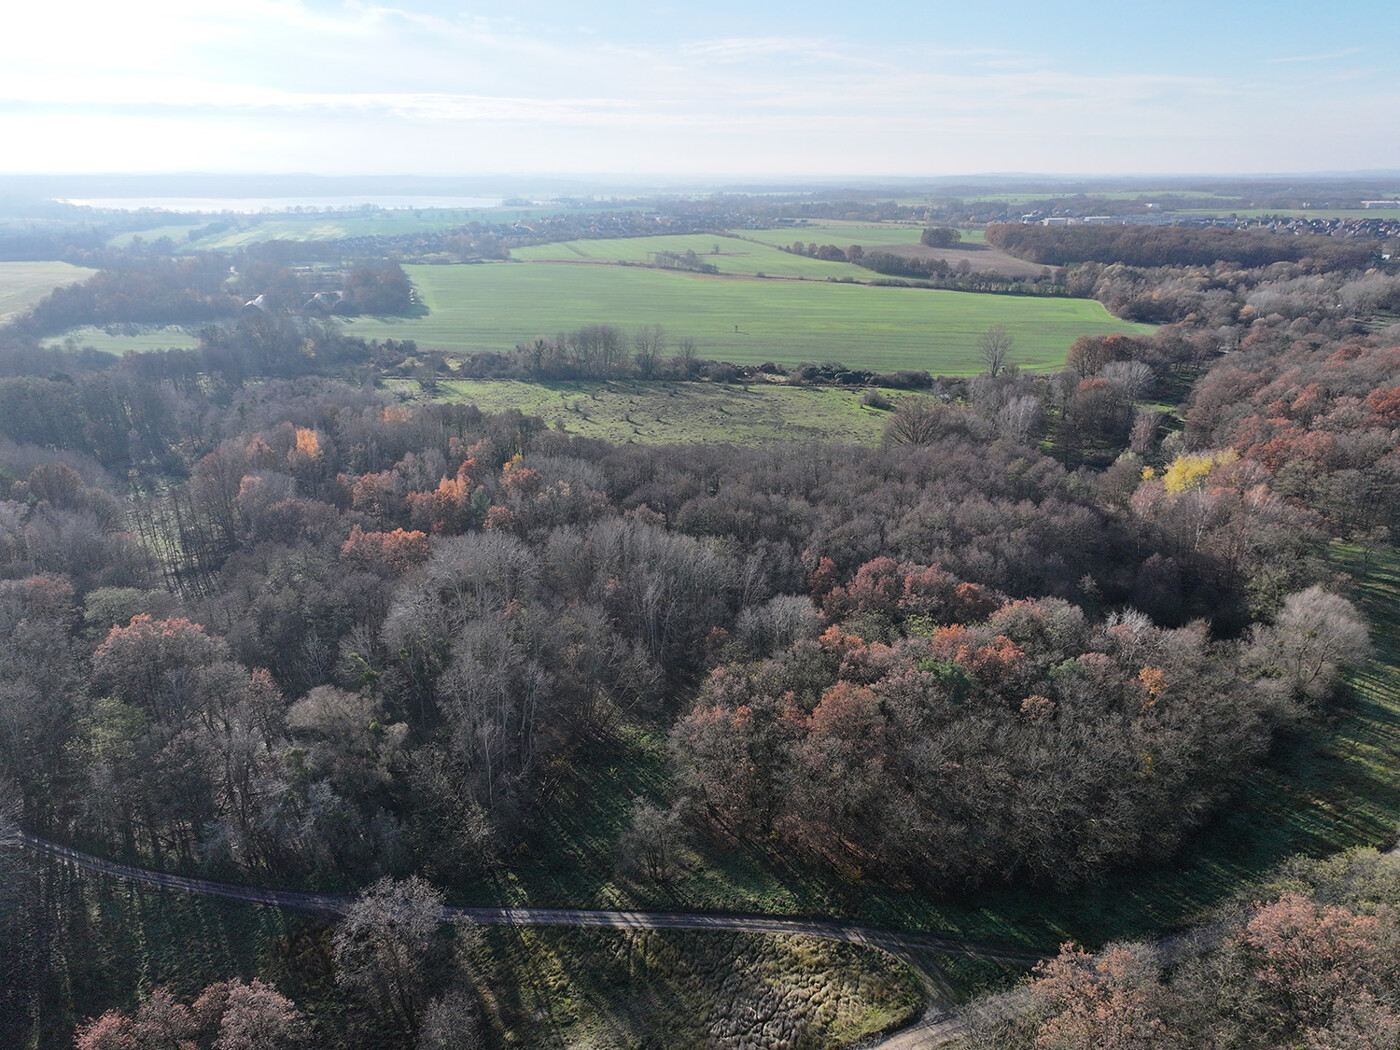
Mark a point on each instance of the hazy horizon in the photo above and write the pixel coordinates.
(733, 90)
(254, 191)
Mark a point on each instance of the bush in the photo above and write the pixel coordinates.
(905, 380)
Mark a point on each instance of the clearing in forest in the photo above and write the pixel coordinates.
(664, 413)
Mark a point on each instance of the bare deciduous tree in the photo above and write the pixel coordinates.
(1134, 377)
(684, 361)
(452, 1022)
(1313, 640)
(652, 843)
(1144, 434)
(922, 421)
(1020, 419)
(649, 341)
(994, 346)
(383, 945)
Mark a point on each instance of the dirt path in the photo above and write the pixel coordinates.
(336, 904)
(937, 1025)
(940, 1023)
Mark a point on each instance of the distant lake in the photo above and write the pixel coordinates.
(258, 205)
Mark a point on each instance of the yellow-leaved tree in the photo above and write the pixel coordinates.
(1190, 470)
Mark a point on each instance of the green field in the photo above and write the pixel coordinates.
(731, 254)
(732, 317)
(120, 339)
(22, 284)
(337, 227)
(675, 413)
(494, 307)
(745, 252)
(179, 233)
(843, 234)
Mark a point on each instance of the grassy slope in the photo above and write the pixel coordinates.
(22, 284)
(575, 988)
(674, 413)
(494, 307)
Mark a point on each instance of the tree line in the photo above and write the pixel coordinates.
(209, 287)
(1174, 246)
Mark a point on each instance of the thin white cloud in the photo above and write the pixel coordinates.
(739, 49)
(1345, 53)
(916, 96)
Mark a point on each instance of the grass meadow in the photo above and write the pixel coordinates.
(22, 284)
(622, 411)
(732, 254)
(118, 339)
(589, 988)
(793, 316)
(335, 227)
(744, 320)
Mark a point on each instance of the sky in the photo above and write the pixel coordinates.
(757, 88)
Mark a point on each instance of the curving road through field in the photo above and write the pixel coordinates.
(937, 1025)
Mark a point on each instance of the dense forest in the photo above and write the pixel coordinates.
(265, 621)
(1176, 246)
